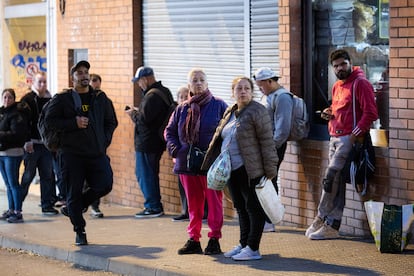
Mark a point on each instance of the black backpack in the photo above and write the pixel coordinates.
(50, 136)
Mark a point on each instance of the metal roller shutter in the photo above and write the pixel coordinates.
(214, 34)
(264, 34)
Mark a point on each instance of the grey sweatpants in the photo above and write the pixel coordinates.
(331, 205)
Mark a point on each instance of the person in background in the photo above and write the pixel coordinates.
(183, 94)
(149, 145)
(95, 82)
(36, 154)
(61, 197)
(280, 106)
(194, 123)
(246, 132)
(351, 79)
(83, 149)
(14, 130)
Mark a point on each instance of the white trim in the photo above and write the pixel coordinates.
(27, 10)
(51, 50)
(247, 42)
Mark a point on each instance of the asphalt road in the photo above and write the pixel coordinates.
(18, 262)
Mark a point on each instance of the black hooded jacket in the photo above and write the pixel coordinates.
(14, 126)
(95, 139)
(149, 118)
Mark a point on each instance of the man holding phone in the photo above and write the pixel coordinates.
(149, 146)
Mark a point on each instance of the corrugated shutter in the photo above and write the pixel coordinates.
(180, 35)
(212, 34)
(264, 18)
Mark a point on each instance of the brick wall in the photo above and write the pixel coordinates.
(401, 163)
(305, 162)
(105, 28)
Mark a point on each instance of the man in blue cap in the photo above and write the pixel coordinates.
(149, 145)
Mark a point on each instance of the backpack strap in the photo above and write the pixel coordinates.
(354, 101)
(76, 100)
(163, 96)
(281, 90)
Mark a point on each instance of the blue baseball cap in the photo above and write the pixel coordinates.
(142, 72)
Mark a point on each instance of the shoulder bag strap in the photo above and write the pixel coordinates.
(354, 101)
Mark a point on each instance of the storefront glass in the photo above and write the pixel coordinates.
(361, 27)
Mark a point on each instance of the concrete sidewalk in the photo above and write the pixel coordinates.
(125, 245)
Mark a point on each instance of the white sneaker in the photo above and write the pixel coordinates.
(324, 233)
(269, 227)
(247, 254)
(315, 226)
(236, 250)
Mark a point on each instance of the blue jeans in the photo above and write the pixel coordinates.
(147, 170)
(57, 164)
(9, 168)
(41, 159)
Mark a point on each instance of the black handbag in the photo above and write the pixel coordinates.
(361, 158)
(195, 158)
(362, 165)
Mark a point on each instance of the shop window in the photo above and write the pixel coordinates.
(361, 27)
(74, 56)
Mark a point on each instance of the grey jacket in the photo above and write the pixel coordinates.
(254, 138)
(280, 106)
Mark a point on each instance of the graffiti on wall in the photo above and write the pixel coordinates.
(29, 59)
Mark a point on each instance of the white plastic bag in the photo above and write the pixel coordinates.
(219, 172)
(389, 225)
(270, 200)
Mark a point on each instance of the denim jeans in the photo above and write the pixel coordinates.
(96, 171)
(147, 170)
(9, 168)
(41, 159)
(58, 176)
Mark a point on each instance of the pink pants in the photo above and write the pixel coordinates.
(196, 191)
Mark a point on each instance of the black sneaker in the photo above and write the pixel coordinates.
(96, 212)
(149, 213)
(6, 214)
(191, 247)
(15, 218)
(182, 217)
(64, 210)
(213, 247)
(81, 238)
(49, 211)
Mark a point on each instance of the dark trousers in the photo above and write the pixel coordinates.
(58, 176)
(41, 159)
(249, 210)
(96, 171)
(281, 155)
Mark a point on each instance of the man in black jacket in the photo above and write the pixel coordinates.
(87, 120)
(36, 154)
(149, 145)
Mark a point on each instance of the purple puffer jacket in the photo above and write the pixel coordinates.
(210, 114)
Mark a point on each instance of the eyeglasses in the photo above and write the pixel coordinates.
(95, 80)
